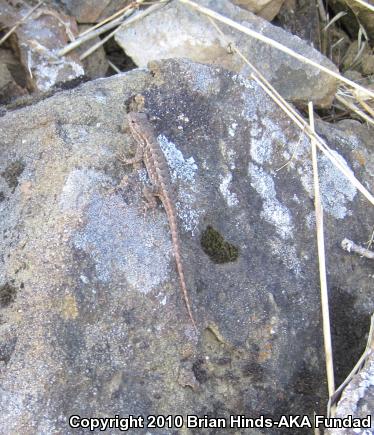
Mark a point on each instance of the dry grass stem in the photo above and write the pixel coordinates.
(6, 36)
(356, 60)
(111, 64)
(334, 20)
(366, 4)
(274, 44)
(337, 43)
(94, 33)
(365, 106)
(322, 264)
(130, 20)
(370, 241)
(362, 34)
(132, 5)
(343, 100)
(322, 11)
(98, 44)
(350, 246)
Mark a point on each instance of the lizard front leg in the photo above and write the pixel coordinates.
(150, 193)
(133, 160)
(136, 161)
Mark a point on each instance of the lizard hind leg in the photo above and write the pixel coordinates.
(135, 161)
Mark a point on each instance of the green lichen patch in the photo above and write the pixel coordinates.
(7, 295)
(218, 249)
(12, 172)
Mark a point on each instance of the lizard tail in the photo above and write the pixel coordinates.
(178, 260)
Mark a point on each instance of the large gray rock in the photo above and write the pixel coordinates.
(92, 318)
(177, 30)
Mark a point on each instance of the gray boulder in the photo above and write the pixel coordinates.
(93, 322)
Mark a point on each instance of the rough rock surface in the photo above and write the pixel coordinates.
(266, 9)
(12, 79)
(37, 41)
(351, 60)
(357, 399)
(92, 318)
(301, 18)
(8, 58)
(96, 64)
(351, 299)
(8, 87)
(179, 31)
(92, 11)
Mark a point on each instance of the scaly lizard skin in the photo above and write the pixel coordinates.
(150, 152)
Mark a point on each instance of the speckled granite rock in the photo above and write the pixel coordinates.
(92, 318)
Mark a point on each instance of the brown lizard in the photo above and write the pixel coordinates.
(150, 152)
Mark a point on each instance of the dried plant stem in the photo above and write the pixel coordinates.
(366, 4)
(94, 33)
(132, 5)
(323, 18)
(275, 44)
(350, 246)
(322, 264)
(316, 429)
(98, 44)
(6, 36)
(111, 64)
(322, 11)
(365, 106)
(333, 20)
(354, 109)
(370, 241)
(131, 20)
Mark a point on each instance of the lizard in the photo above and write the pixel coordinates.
(149, 151)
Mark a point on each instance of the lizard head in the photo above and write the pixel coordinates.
(140, 127)
(137, 118)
